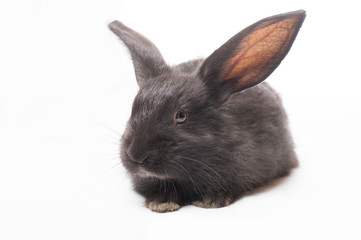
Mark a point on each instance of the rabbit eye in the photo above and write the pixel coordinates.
(181, 117)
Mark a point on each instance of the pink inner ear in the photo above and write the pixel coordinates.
(260, 52)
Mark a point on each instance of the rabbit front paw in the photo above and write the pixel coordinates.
(162, 207)
(212, 203)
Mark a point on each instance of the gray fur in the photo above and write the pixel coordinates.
(229, 145)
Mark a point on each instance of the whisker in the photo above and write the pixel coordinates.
(165, 186)
(175, 189)
(194, 160)
(115, 165)
(109, 128)
(109, 177)
(110, 140)
(209, 180)
(100, 162)
(190, 177)
(179, 182)
(115, 154)
(178, 170)
(216, 183)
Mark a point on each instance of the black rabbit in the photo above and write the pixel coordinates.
(206, 131)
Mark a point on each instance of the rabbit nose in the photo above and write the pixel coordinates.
(137, 154)
(140, 159)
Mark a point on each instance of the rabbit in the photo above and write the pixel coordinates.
(207, 131)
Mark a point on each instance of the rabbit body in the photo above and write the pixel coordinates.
(207, 131)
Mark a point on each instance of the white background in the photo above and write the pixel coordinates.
(66, 89)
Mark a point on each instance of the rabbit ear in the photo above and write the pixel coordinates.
(148, 61)
(251, 55)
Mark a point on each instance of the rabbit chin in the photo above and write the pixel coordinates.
(141, 172)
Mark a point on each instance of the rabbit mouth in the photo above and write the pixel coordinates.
(141, 170)
(143, 173)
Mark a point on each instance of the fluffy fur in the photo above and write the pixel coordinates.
(234, 140)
